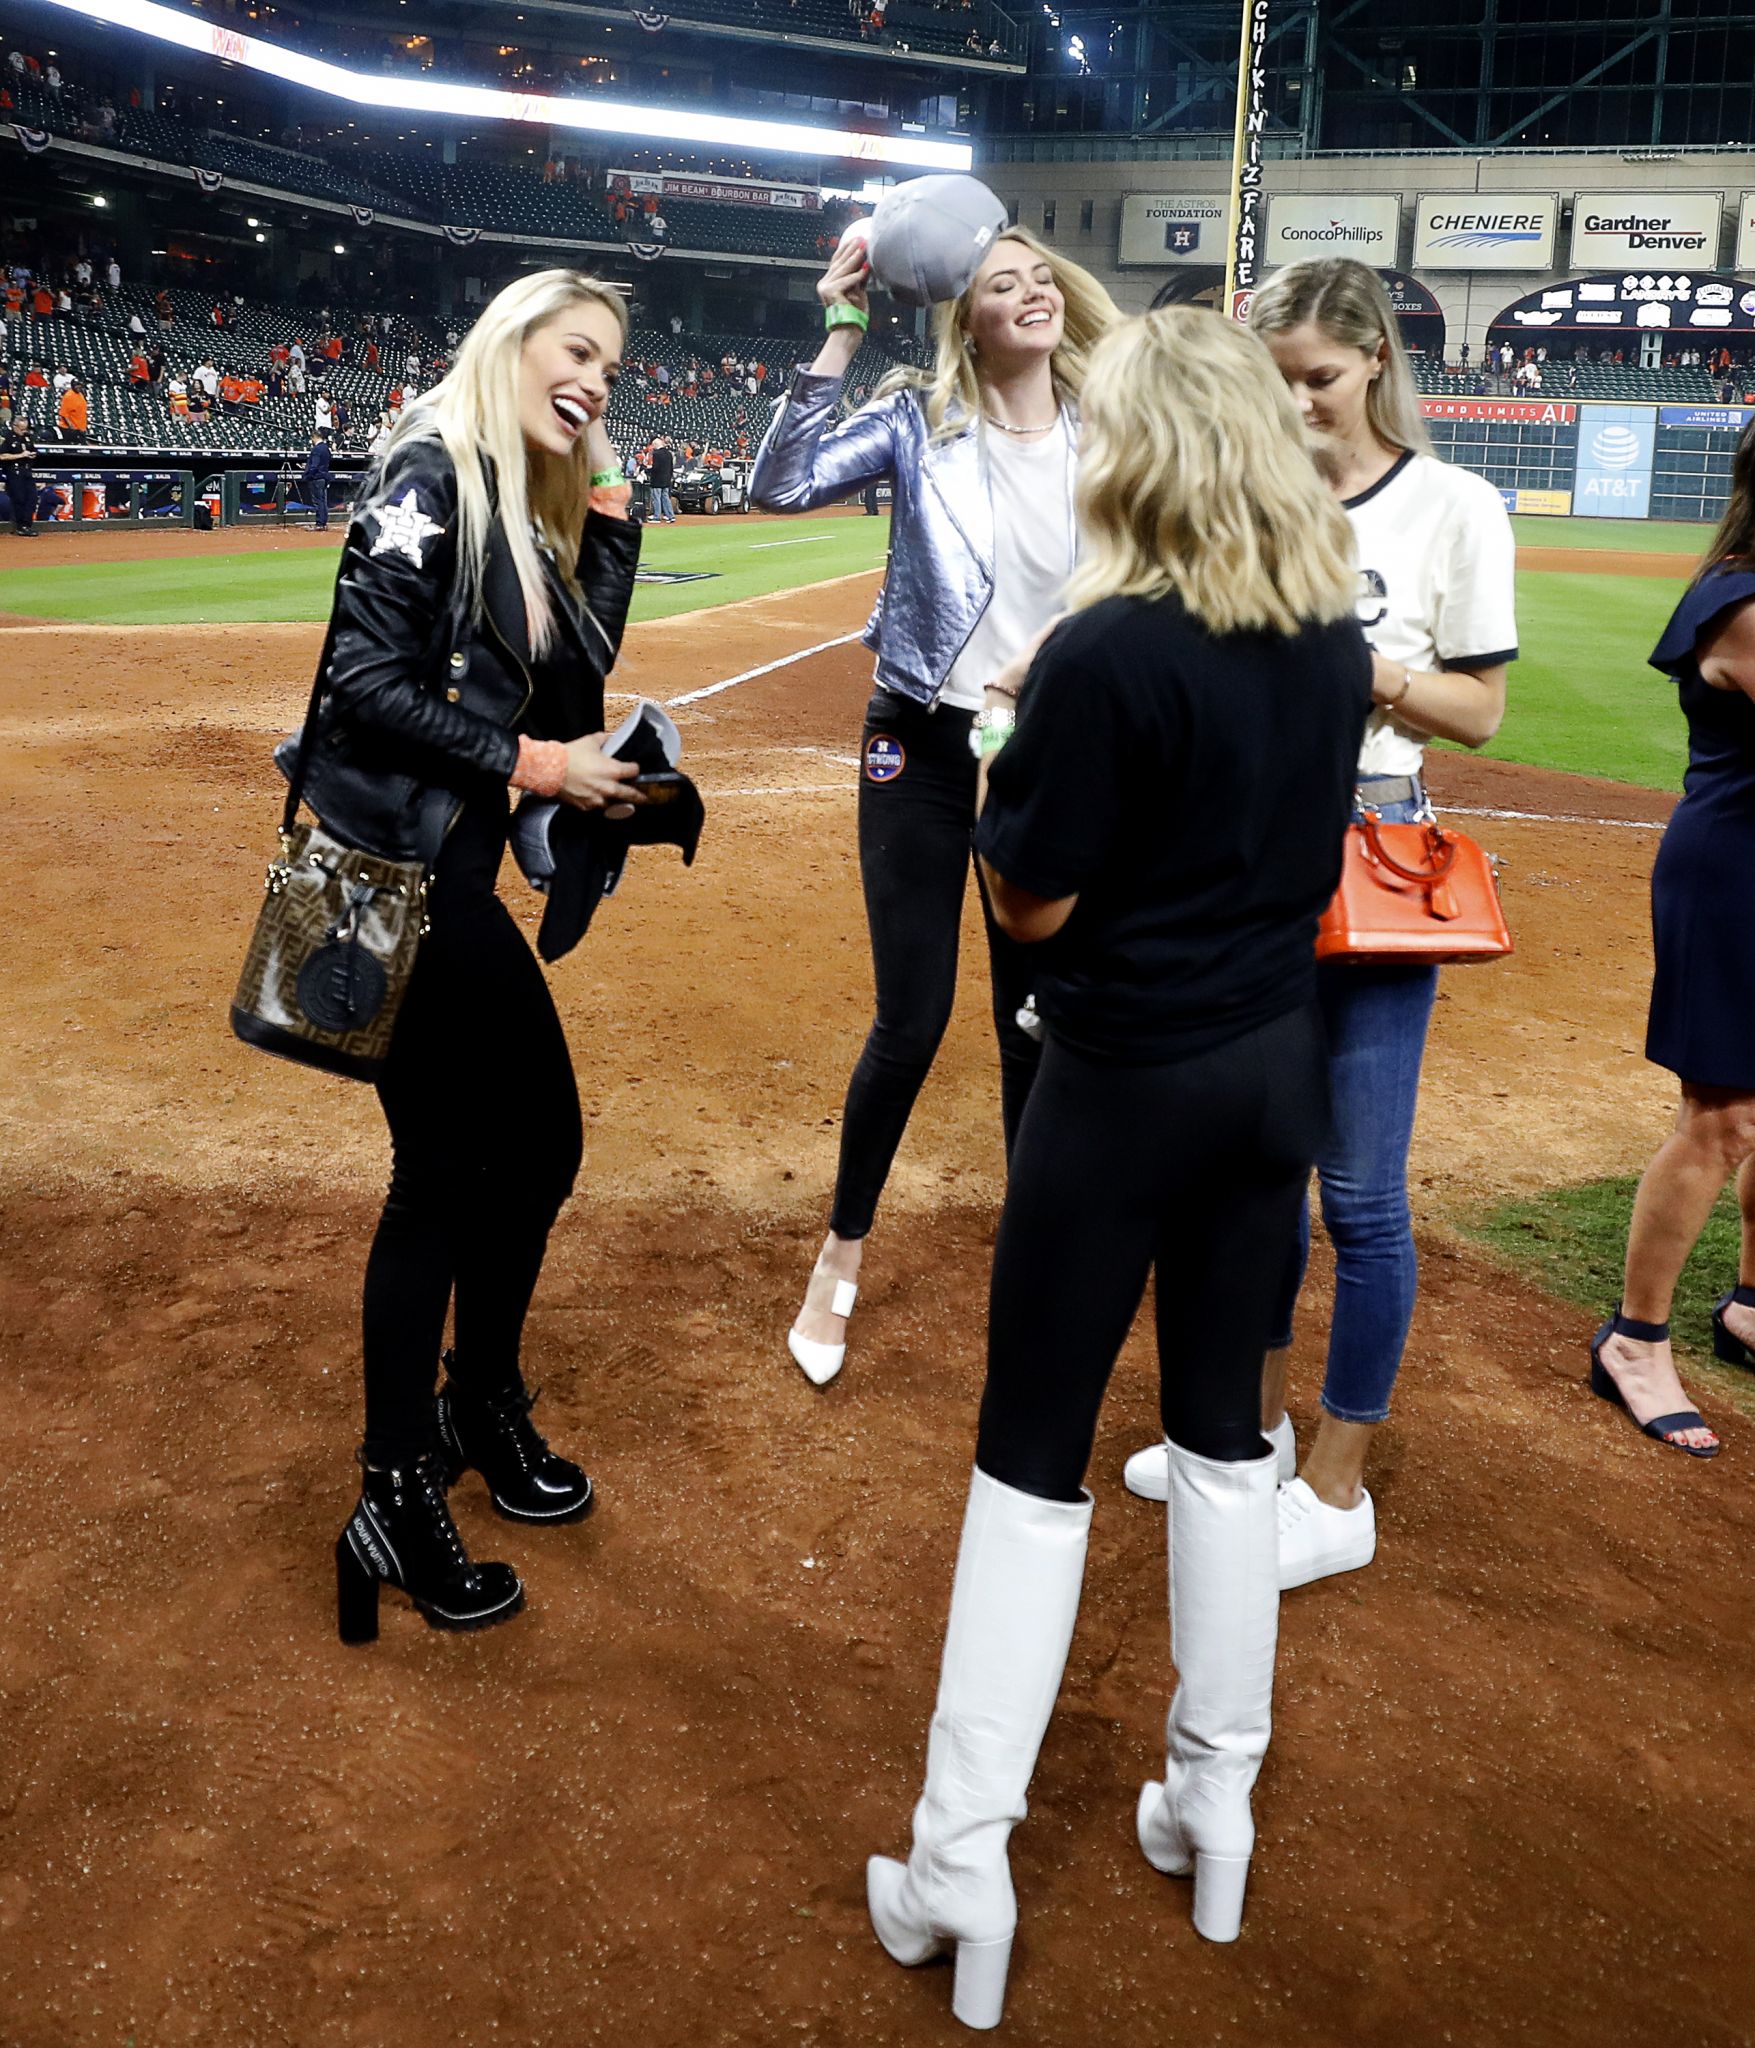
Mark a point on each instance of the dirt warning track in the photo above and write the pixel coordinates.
(1510, 1761)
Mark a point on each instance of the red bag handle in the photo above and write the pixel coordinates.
(1442, 845)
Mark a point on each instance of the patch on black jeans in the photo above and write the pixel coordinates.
(885, 758)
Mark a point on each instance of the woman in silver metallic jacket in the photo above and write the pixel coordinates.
(979, 455)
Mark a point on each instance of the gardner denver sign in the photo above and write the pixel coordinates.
(1504, 231)
(1611, 230)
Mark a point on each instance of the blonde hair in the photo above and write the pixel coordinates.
(1196, 479)
(1348, 301)
(950, 392)
(473, 410)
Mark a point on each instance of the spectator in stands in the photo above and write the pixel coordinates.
(136, 326)
(314, 480)
(62, 380)
(14, 302)
(17, 457)
(380, 439)
(231, 394)
(276, 381)
(113, 270)
(295, 377)
(984, 444)
(82, 272)
(206, 382)
(325, 416)
(63, 300)
(73, 412)
(410, 366)
(332, 348)
(487, 486)
(42, 299)
(409, 393)
(177, 394)
(295, 357)
(167, 313)
(155, 368)
(661, 472)
(139, 370)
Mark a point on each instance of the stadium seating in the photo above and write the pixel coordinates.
(97, 349)
(1562, 378)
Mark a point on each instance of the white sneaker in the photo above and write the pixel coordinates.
(1317, 1540)
(1147, 1472)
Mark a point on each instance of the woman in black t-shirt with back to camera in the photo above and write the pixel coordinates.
(1166, 821)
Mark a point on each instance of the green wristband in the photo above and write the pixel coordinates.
(847, 316)
(603, 477)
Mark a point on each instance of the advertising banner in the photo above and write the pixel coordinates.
(1697, 306)
(1614, 463)
(1544, 504)
(722, 191)
(1539, 410)
(1159, 229)
(1243, 251)
(1646, 230)
(1497, 231)
(1745, 232)
(1304, 224)
(1724, 419)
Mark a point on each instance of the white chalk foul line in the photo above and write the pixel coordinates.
(1555, 818)
(767, 669)
(805, 540)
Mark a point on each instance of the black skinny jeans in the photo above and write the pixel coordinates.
(916, 831)
(486, 1140)
(1196, 1169)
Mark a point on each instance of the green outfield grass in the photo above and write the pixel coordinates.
(1581, 696)
(1632, 536)
(746, 557)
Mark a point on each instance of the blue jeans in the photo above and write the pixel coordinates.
(1376, 1019)
(662, 508)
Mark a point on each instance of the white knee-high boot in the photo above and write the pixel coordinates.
(1224, 1630)
(1020, 1568)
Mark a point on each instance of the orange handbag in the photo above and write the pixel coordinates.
(1413, 895)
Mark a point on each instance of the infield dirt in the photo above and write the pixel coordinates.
(1508, 1797)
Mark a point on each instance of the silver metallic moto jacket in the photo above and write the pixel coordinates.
(940, 575)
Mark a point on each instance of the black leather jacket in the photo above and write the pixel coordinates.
(423, 706)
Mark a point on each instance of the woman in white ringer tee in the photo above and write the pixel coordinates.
(1436, 567)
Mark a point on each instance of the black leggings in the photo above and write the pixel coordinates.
(916, 831)
(1196, 1169)
(486, 1140)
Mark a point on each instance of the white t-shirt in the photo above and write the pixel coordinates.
(207, 377)
(1030, 483)
(1436, 564)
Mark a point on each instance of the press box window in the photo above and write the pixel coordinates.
(1087, 215)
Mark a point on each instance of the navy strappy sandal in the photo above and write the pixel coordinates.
(1664, 1429)
(1730, 1349)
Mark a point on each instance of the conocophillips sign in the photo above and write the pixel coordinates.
(1302, 224)
(1674, 230)
(1490, 231)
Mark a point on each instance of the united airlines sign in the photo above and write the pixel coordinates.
(1498, 231)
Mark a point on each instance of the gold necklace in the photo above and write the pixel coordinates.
(1048, 428)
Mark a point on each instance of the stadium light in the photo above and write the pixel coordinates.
(340, 249)
(98, 199)
(252, 222)
(475, 102)
(262, 238)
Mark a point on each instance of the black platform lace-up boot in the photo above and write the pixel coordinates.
(493, 1433)
(401, 1534)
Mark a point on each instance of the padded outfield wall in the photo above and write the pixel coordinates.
(1592, 460)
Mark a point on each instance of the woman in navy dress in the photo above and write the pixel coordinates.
(1702, 1023)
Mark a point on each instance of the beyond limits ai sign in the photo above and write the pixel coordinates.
(1611, 230)
(1496, 231)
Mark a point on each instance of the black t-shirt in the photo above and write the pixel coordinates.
(1193, 791)
(15, 443)
(663, 468)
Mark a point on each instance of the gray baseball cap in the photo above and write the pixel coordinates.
(929, 236)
